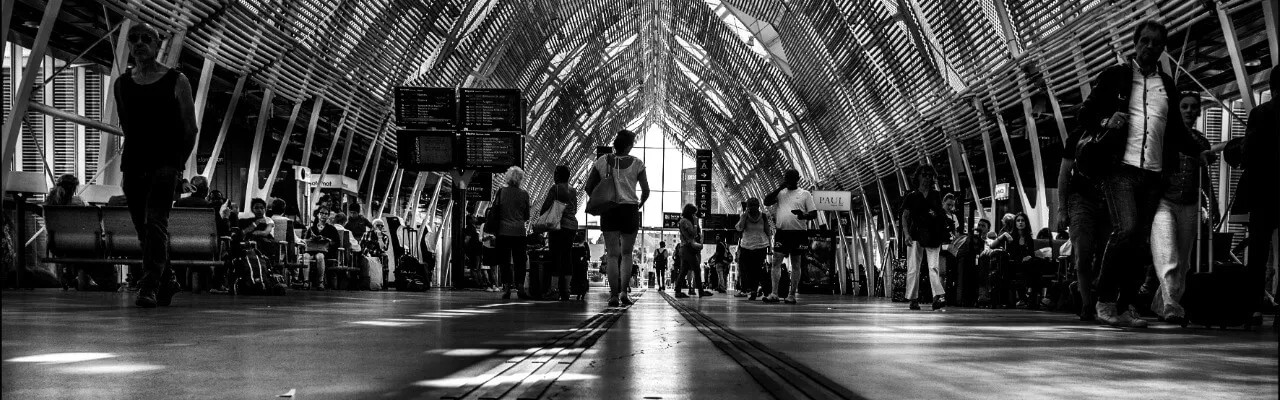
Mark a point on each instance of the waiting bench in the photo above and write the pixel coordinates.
(106, 235)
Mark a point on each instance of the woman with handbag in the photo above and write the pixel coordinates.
(690, 253)
(510, 213)
(322, 244)
(922, 215)
(559, 209)
(612, 186)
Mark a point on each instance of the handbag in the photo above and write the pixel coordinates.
(604, 197)
(1092, 158)
(491, 220)
(317, 244)
(550, 220)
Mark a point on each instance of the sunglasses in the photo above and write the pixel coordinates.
(141, 39)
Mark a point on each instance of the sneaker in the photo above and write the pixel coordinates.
(705, 293)
(740, 294)
(613, 301)
(1176, 320)
(1130, 319)
(221, 290)
(939, 302)
(1106, 313)
(146, 298)
(626, 300)
(681, 295)
(915, 305)
(772, 298)
(790, 299)
(164, 296)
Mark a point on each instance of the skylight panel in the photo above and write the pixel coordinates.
(618, 46)
(693, 49)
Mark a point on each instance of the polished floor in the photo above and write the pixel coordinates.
(461, 344)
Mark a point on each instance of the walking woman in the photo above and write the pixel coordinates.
(690, 253)
(621, 222)
(562, 239)
(511, 206)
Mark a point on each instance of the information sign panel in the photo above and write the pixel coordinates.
(426, 149)
(703, 168)
(430, 108)
(670, 220)
(833, 200)
(1002, 191)
(481, 187)
(702, 195)
(492, 109)
(492, 151)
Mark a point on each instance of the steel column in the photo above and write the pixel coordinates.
(212, 163)
(110, 149)
(311, 131)
(1269, 15)
(1237, 60)
(201, 102)
(1013, 163)
(988, 153)
(284, 145)
(255, 155)
(22, 98)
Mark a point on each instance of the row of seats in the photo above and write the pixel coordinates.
(106, 235)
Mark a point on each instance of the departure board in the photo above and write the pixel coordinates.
(492, 151)
(426, 149)
(429, 108)
(492, 109)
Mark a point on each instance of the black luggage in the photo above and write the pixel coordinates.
(253, 276)
(1218, 298)
(578, 283)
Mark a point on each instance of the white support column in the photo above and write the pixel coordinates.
(373, 180)
(1237, 60)
(1013, 162)
(1224, 170)
(79, 147)
(311, 130)
(392, 182)
(22, 97)
(109, 152)
(1041, 216)
(201, 102)
(255, 155)
(211, 165)
(15, 73)
(968, 171)
(174, 48)
(284, 146)
(987, 152)
(46, 140)
(1269, 15)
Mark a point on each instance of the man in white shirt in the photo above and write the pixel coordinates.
(795, 209)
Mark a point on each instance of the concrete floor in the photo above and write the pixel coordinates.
(441, 344)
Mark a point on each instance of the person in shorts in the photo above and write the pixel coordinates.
(795, 208)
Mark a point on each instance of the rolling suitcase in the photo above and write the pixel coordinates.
(1218, 297)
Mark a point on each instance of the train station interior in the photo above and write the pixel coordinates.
(639, 199)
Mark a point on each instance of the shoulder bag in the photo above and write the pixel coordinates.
(604, 197)
(550, 220)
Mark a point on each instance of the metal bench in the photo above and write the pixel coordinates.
(106, 236)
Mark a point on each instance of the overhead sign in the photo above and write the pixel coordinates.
(702, 197)
(301, 173)
(431, 108)
(671, 220)
(833, 200)
(702, 171)
(481, 187)
(426, 149)
(331, 181)
(1002, 191)
(492, 151)
(492, 109)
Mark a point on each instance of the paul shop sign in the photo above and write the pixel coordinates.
(833, 200)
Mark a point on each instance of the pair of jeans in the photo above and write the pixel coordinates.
(1131, 195)
(1173, 237)
(512, 251)
(750, 267)
(932, 254)
(1090, 229)
(149, 194)
(690, 264)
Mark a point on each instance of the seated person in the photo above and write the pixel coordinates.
(199, 194)
(281, 223)
(320, 235)
(1015, 259)
(260, 230)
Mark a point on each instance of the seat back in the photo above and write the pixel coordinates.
(193, 233)
(121, 238)
(74, 231)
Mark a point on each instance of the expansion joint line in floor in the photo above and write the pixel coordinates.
(781, 376)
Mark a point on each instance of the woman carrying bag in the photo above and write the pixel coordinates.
(559, 219)
(690, 253)
(509, 213)
(612, 186)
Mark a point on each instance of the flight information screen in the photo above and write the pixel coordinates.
(492, 151)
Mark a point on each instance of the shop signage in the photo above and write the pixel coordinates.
(833, 200)
(1002, 191)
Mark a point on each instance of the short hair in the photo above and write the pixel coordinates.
(515, 176)
(984, 221)
(278, 205)
(143, 27)
(339, 218)
(949, 196)
(562, 174)
(662, 244)
(257, 201)
(319, 210)
(624, 139)
(1190, 94)
(215, 195)
(754, 201)
(353, 206)
(922, 169)
(200, 182)
(1149, 24)
(791, 173)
